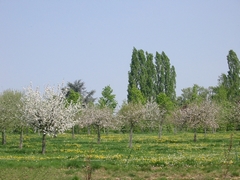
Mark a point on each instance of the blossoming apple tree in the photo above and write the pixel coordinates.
(197, 115)
(99, 118)
(49, 112)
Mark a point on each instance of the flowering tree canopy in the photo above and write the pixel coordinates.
(98, 117)
(197, 115)
(132, 114)
(155, 114)
(50, 113)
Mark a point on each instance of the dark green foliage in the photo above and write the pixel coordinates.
(231, 80)
(227, 93)
(79, 87)
(73, 96)
(233, 76)
(151, 78)
(165, 76)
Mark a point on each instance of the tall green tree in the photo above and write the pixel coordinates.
(232, 79)
(165, 76)
(160, 75)
(108, 98)
(142, 72)
(151, 78)
(133, 75)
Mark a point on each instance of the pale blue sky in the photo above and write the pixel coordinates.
(47, 42)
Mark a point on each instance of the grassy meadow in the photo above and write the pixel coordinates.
(216, 156)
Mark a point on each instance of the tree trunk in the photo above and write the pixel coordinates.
(27, 130)
(99, 135)
(213, 130)
(159, 131)
(73, 132)
(21, 139)
(89, 132)
(195, 135)
(205, 132)
(43, 143)
(54, 134)
(175, 130)
(130, 136)
(3, 136)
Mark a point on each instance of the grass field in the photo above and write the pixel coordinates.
(215, 156)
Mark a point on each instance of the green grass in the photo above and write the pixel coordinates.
(171, 157)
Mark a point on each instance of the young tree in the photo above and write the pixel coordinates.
(99, 118)
(233, 116)
(196, 115)
(50, 113)
(155, 114)
(9, 111)
(131, 114)
(20, 122)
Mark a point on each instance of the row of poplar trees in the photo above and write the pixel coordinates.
(149, 76)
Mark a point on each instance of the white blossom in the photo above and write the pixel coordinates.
(49, 112)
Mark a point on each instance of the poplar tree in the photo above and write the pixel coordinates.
(233, 76)
(142, 73)
(160, 80)
(133, 75)
(165, 76)
(149, 77)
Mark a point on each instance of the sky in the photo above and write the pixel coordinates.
(50, 42)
